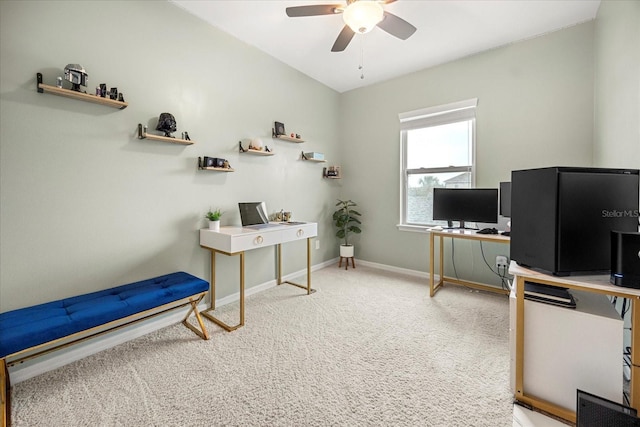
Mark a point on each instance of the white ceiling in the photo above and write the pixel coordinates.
(447, 30)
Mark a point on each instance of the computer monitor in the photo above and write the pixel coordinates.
(505, 199)
(253, 213)
(465, 204)
(595, 411)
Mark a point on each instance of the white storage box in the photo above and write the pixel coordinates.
(314, 156)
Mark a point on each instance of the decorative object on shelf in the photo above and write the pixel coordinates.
(61, 91)
(167, 124)
(77, 75)
(313, 156)
(278, 129)
(214, 219)
(332, 172)
(256, 144)
(346, 220)
(265, 152)
(142, 134)
(214, 163)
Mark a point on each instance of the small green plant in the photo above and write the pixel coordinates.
(346, 220)
(213, 215)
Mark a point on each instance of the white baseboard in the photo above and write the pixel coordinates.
(385, 267)
(79, 351)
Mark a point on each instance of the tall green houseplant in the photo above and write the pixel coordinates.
(345, 218)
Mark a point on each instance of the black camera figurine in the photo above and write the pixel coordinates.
(212, 162)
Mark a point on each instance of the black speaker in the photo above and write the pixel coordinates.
(625, 259)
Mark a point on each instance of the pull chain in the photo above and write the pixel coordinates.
(361, 66)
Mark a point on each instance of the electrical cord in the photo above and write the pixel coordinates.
(501, 273)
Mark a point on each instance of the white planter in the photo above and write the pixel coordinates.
(346, 251)
(214, 225)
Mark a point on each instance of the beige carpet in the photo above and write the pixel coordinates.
(370, 348)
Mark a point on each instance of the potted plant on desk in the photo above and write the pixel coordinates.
(345, 219)
(214, 219)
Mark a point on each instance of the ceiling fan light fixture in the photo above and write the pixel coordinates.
(361, 16)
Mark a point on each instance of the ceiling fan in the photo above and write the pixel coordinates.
(360, 16)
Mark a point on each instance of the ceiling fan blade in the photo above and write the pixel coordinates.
(343, 39)
(314, 10)
(389, 1)
(396, 26)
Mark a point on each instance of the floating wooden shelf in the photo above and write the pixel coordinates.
(258, 152)
(143, 135)
(55, 90)
(288, 138)
(250, 150)
(211, 168)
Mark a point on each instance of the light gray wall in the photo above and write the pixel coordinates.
(535, 108)
(617, 85)
(85, 205)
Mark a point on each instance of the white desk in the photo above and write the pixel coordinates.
(598, 284)
(232, 241)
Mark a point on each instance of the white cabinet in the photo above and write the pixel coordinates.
(566, 349)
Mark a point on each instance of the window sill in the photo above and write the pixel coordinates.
(414, 228)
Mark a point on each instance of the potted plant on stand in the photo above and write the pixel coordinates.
(346, 220)
(214, 219)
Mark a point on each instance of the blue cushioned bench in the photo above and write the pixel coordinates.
(32, 331)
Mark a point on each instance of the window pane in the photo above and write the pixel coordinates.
(420, 194)
(440, 146)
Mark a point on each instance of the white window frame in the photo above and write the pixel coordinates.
(427, 117)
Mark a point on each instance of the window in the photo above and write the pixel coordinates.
(437, 150)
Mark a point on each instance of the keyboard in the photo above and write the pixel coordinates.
(487, 231)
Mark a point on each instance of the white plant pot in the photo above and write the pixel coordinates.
(214, 225)
(346, 251)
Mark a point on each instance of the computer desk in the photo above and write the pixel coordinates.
(232, 241)
(597, 284)
(458, 234)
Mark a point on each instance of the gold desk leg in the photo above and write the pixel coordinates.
(207, 313)
(431, 265)
(435, 286)
(634, 389)
(519, 337)
(308, 286)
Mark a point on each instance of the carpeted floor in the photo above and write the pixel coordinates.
(370, 348)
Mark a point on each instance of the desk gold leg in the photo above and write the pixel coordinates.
(212, 304)
(431, 265)
(519, 336)
(207, 313)
(634, 388)
(308, 286)
(435, 286)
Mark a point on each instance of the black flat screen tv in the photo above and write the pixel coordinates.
(465, 205)
(562, 217)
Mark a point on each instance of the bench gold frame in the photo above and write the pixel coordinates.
(57, 344)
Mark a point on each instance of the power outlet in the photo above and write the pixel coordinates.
(317, 244)
(501, 262)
